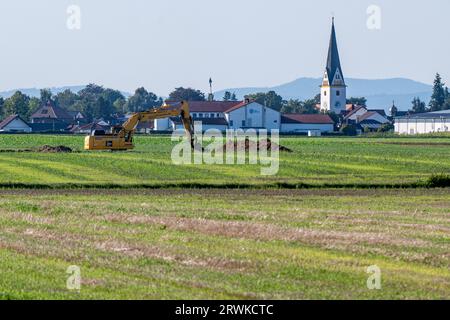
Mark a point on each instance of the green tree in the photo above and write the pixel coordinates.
(309, 106)
(111, 96)
(120, 105)
(2, 103)
(101, 109)
(187, 94)
(359, 101)
(88, 103)
(387, 127)
(46, 96)
(349, 130)
(317, 98)
(447, 100)
(143, 100)
(418, 106)
(233, 97)
(17, 104)
(91, 92)
(33, 105)
(67, 100)
(438, 97)
(337, 119)
(227, 96)
(301, 107)
(270, 99)
(292, 106)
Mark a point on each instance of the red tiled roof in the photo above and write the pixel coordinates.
(206, 121)
(240, 105)
(306, 118)
(10, 119)
(209, 106)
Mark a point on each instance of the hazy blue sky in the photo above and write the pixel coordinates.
(161, 44)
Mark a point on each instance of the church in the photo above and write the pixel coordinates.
(333, 93)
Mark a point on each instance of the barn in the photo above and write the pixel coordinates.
(422, 123)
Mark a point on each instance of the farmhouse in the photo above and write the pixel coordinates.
(14, 123)
(51, 114)
(421, 123)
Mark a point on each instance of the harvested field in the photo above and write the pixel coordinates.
(225, 244)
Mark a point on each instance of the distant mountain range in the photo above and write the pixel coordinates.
(379, 93)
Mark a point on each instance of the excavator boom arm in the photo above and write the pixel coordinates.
(165, 111)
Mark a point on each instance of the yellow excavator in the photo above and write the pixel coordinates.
(121, 137)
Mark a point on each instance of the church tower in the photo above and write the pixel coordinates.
(333, 95)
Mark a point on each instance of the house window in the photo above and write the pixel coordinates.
(218, 115)
(213, 115)
(325, 93)
(200, 115)
(231, 123)
(243, 123)
(338, 93)
(45, 111)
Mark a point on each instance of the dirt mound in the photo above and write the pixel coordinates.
(265, 144)
(57, 149)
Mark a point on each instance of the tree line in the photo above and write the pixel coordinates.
(440, 99)
(94, 102)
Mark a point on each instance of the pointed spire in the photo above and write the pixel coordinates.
(333, 61)
(210, 95)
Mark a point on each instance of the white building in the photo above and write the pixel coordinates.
(224, 115)
(333, 93)
(250, 114)
(306, 123)
(14, 123)
(423, 123)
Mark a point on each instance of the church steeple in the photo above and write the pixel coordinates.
(333, 95)
(333, 61)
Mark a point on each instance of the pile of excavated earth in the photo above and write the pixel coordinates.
(265, 144)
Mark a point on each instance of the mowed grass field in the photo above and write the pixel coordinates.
(225, 244)
(315, 161)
